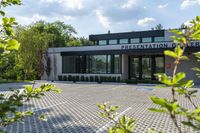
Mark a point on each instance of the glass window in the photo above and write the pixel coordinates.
(117, 64)
(147, 39)
(159, 64)
(102, 42)
(112, 42)
(69, 64)
(108, 63)
(135, 40)
(134, 68)
(159, 39)
(146, 68)
(95, 42)
(98, 64)
(123, 41)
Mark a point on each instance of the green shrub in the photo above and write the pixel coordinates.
(91, 79)
(82, 78)
(96, 79)
(74, 79)
(77, 78)
(109, 79)
(60, 77)
(118, 79)
(70, 78)
(86, 79)
(113, 79)
(64, 78)
(101, 79)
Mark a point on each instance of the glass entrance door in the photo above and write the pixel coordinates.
(144, 67)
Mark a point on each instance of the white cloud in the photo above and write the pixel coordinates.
(162, 6)
(146, 21)
(129, 4)
(68, 4)
(36, 17)
(188, 3)
(103, 19)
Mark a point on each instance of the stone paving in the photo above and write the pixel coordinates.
(75, 110)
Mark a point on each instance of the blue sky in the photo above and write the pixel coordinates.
(99, 16)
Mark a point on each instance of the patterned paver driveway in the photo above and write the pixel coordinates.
(75, 110)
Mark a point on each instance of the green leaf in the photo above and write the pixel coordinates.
(163, 78)
(12, 45)
(28, 113)
(170, 53)
(2, 46)
(157, 110)
(101, 106)
(178, 77)
(114, 108)
(2, 13)
(178, 32)
(42, 117)
(29, 88)
(178, 51)
(12, 20)
(198, 18)
(184, 58)
(159, 101)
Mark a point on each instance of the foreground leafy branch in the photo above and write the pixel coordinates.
(177, 82)
(9, 106)
(123, 124)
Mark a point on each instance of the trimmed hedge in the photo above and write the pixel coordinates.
(82, 78)
(91, 79)
(87, 79)
(60, 77)
(70, 78)
(100, 79)
(64, 78)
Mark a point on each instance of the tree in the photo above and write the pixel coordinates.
(60, 32)
(79, 42)
(37, 44)
(157, 27)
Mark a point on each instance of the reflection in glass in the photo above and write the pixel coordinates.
(102, 42)
(159, 65)
(117, 64)
(146, 67)
(69, 64)
(135, 40)
(123, 41)
(134, 68)
(98, 64)
(108, 63)
(112, 42)
(147, 39)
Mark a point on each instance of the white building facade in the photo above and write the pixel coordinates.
(130, 55)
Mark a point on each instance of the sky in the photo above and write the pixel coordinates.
(99, 16)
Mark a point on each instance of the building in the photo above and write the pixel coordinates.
(129, 55)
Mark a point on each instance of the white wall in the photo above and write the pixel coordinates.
(56, 67)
